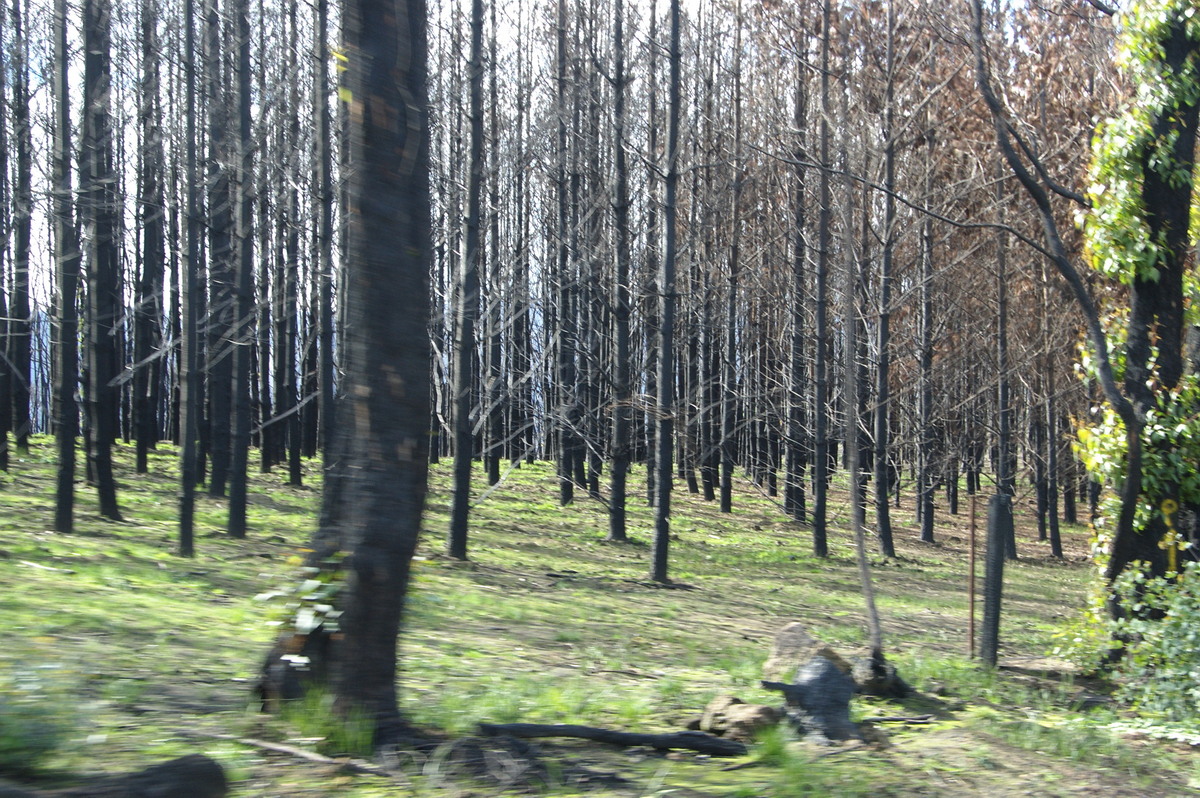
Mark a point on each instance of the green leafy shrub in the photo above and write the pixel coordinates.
(34, 720)
(1160, 671)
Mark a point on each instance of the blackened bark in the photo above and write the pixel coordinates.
(925, 475)
(622, 442)
(796, 457)
(1006, 458)
(883, 519)
(104, 303)
(665, 400)
(324, 216)
(6, 409)
(467, 310)
(820, 467)
(653, 234)
(147, 379)
(375, 514)
(565, 362)
(219, 360)
(493, 396)
(189, 379)
(290, 393)
(729, 378)
(19, 323)
(1056, 548)
(242, 329)
(67, 259)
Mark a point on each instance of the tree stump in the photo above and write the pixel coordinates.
(817, 703)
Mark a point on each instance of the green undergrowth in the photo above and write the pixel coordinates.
(146, 655)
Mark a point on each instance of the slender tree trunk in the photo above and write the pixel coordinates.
(653, 234)
(67, 260)
(189, 379)
(6, 375)
(292, 338)
(221, 255)
(820, 467)
(729, 382)
(19, 323)
(883, 520)
(565, 288)
(925, 476)
(103, 302)
(243, 327)
(1005, 477)
(1050, 421)
(797, 432)
(468, 303)
(622, 389)
(853, 382)
(665, 404)
(149, 310)
(324, 216)
(493, 396)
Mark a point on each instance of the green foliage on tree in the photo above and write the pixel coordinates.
(1140, 228)
(1119, 239)
(1171, 452)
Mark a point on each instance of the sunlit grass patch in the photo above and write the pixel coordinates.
(547, 623)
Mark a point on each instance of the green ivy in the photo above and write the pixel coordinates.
(1170, 449)
(1120, 245)
(1118, 240)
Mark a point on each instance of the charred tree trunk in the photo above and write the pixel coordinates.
(324, 216)
(242, 330)
(622, 442)
(374, 502)
(104, 304)
(883, 520)
(219, 360)
(796, 458)
(67, 259)
(820, 467)
(467, 311)
(19, 332)
(665, 400)
(189, 379)
(147, 381)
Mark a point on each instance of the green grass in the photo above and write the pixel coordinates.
(153, 654)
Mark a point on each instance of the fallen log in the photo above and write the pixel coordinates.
(192, 776)
(688, 740)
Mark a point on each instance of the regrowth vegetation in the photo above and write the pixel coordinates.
(112, 646)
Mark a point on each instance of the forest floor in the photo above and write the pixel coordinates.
(145, 656)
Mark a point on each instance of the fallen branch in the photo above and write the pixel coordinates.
(689, 740)
(349, 765)
(900, 719)
(41, 567)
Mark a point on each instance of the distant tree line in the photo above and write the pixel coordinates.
(662, 237)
